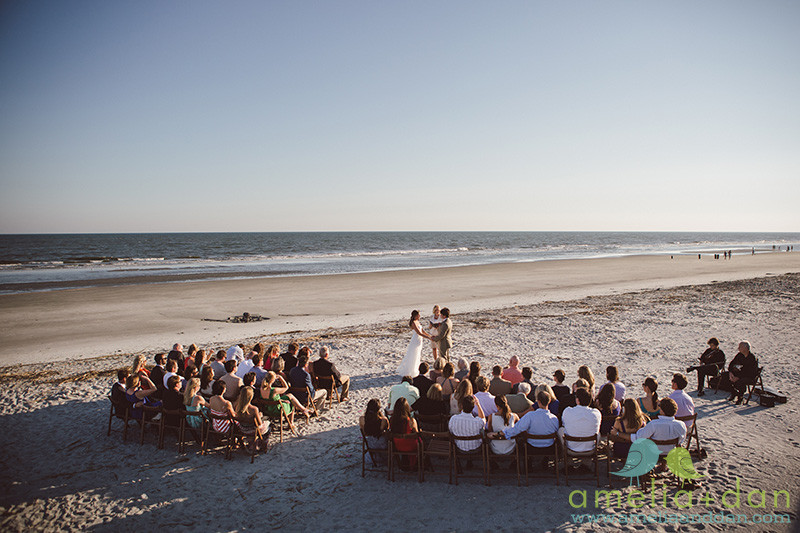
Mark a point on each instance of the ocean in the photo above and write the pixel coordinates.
(60, 261)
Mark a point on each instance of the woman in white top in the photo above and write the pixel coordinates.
(433, 329)
(503, 419)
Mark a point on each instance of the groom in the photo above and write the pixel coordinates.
(445, 341)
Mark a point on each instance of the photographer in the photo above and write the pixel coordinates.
(711, 362)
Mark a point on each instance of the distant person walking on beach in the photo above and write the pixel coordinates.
(410, 364)
(443, 337)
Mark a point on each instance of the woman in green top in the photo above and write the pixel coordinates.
(275, 388)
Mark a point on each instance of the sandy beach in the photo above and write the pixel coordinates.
(648, 315)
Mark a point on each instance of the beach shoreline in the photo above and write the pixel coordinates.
(90, 322)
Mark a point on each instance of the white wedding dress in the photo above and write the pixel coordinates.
(410, 364)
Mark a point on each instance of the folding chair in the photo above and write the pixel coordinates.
(373, 453)
(431, 423)
(589, 454)
(526, 453)
(151, 421)
(479, 452)
(187, 415)
(237, 434)
(394, 453)
(170, 419)
(299, 392)
(492, 455)
(757, 382)
(329, 384)
(437, 444)
(691, 425)
(120, 409)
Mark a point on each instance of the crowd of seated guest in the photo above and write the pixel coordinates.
(501, 408)
(193, 381)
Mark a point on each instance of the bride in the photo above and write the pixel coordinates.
(410, 364)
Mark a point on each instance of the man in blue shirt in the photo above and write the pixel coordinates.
(299, 377)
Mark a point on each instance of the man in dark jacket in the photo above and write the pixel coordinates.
(289, 357)
(324, 368)
(742, 371)
(422, 381)
(711, 362)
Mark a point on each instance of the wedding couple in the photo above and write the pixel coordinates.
(440, 328)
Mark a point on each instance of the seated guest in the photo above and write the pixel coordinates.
(665, 427)
(438, 366)
(248, 417)
(538, 422)
(218, 364)
(258, 370)
(176, 354)
(157, 373)
(245, 366)
(612, 375)
(502, 420)
(323, 367)
(483, 397)
(235, 353)
(275, 388)
(300, 377)
(173, 399)
(219, 406)
(193, 402)
(422, 382)
(271, 354)
(467, 424)
(139, 396)
(191, 352)
(519, 402)
(586, 373)
(401, 423)
(463, 390)
(404, 389)
(232, 382)
(207, 381)
(462, 369)
(683, 401)
(447, 381)
(249, 379)
(608, 406)
(374, 425)
(432, 403)
(474, 372)
(200, 360)
(559, 388)
(631, 421)
(554, 406)
(172, 370)
(527, 376)
(278, 367)
(742, 371)
(580, 421)
(118, 389)
(711, 362)
(498, 385)
(289, 357)
(649, 402)
(139, 366)
(511, 372)
(569, 400)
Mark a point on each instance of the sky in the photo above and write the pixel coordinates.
(155, 116)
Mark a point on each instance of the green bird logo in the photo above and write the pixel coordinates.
(642, 458)
(679, 462)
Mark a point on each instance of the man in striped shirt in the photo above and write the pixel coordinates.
(465, 424)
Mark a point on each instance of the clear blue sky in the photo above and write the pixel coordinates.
(278, 116)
